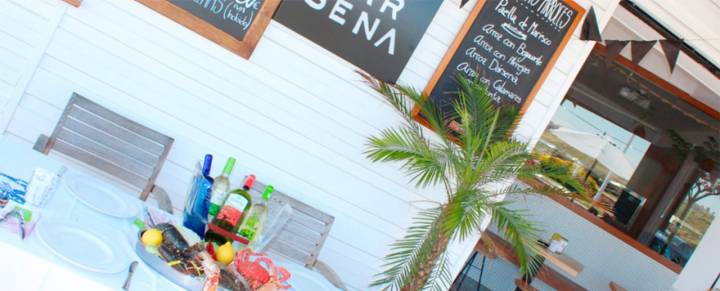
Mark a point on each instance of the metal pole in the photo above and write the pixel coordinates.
(482, 268)
(465, 270)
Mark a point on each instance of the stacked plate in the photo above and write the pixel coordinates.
(89, 249)
(102, 197)
(87, 245)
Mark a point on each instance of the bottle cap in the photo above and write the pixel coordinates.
(268, 191)
(229, 166)
(207, 163)
(249, 182)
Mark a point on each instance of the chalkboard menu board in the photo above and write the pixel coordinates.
(234, 24)
(509, 45)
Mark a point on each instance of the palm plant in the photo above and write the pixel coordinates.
(474, 158)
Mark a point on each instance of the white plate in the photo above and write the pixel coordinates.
(102, 196)
(89, 249)
(302, 278)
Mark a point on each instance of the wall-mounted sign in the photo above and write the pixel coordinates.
(509, 45)
(379, 36)
(234, 24)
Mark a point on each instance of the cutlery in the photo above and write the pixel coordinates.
(131, 272)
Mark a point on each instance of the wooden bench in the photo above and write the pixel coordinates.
(504, 250)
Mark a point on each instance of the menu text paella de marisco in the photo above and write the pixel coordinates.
(507, 47)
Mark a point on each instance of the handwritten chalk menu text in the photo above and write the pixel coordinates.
(234, 24)
(378, 36)
(510, 45)
(231, 16)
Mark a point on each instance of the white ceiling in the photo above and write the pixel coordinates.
(697, 21)
(688, 75)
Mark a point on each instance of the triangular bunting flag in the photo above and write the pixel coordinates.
(463, 2)
(671, 48)
(640, 48)
(614, 47)
(590, 29)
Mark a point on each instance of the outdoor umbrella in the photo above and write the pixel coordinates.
(601, 150)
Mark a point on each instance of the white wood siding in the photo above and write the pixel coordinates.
(26, 28)
(294, 114)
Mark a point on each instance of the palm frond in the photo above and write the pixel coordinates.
(472, 208)
(440, 278)
(425, 165)
(521, 234)
(398, 96)
(407, 254)
(501, 160)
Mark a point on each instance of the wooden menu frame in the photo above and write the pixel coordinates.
(452, 50)
(75, 3)
(243, 48)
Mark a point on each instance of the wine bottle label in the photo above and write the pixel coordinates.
(232, 210)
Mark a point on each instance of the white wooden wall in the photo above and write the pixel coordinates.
(26, 28)
(294, 114)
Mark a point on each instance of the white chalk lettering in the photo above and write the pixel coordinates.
(390, 37)
(339, 10)
(473, 54)
(395, 6)
(490, 30)
(365, 22)
(538, 60)
(556, 12)
(316, 4)
(496, 67)
(465, 68)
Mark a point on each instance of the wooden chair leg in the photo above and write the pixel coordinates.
(42, 143)
(162, 198)
(616, 287)
(330, 275)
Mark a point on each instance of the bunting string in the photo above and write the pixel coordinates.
(638, 48)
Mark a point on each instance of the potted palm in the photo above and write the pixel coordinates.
(473, 156)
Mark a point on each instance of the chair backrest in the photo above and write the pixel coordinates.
(108, 142)
(303, 237)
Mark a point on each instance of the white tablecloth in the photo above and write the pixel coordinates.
(29, 265)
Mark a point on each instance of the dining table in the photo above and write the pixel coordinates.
(30, 264)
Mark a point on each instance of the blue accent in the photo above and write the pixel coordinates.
(12, 188)
(196, 207)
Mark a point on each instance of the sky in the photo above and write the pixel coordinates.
(580, 119)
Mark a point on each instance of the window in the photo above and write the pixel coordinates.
(645, 156)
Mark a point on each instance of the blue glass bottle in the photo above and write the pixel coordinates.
(198, 199)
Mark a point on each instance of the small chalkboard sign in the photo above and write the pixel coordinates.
(509, 45)
(234, 24)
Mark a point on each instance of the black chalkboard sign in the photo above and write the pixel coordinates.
(509, 45)
(377, 36)
(234, 24)
(230, 16)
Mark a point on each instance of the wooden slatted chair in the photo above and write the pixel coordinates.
(303, 237)
(111, 143)
(616, 287)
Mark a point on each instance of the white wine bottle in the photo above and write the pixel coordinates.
(220, 189)
(253, 223)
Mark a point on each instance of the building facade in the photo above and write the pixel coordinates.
(298, 115)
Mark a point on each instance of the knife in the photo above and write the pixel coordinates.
(131, 271)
